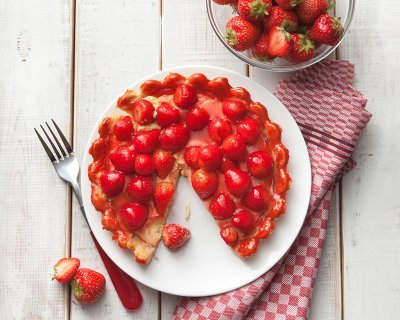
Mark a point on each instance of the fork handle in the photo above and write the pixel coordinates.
(125, 286)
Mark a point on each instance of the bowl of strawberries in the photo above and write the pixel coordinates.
(280, 35)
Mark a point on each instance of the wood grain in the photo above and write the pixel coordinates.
(117, 42)
(371, 219)
(35, 56)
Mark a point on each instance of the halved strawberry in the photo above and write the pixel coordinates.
(260, 49)
(175, 236)
(65, 269)
(163, 193)
(279, 42)
(164, 162)
(143, 111)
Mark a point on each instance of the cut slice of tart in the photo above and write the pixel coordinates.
(205, 130)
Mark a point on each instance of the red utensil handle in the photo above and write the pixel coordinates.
(125, 286)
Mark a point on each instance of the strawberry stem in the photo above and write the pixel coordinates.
(258, 8)
(231, 36)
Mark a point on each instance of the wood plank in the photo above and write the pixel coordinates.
(35, 55)
(370, 193)
(117, 42)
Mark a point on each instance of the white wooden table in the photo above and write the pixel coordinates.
(66, 60)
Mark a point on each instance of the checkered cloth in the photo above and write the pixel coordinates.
(331, 116)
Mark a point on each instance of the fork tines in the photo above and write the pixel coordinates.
(55, 153)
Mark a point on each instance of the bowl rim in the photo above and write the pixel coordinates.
(270, 67)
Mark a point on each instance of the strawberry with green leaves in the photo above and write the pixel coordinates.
(279, 17)
(254, 10)
(279, 41)
(65, 269)
(88, 285)
(288, 4)
(302, 48)
(309, 10)
(241, 34)
(327, 30)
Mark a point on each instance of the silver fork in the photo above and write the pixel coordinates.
(64, 161)
(67, 167)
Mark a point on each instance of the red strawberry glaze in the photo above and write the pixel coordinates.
(246, 214)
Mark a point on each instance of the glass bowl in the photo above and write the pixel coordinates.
(220, 14)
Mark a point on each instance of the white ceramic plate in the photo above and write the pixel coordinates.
(206, 265)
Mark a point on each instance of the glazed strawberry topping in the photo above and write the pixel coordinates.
(123, 159)
(248, 130)
(244, 221)
(144, 164)
(219, 129)
(222, 206)
(163, 193)
(185, 96)
(234, 147)
(229, 235)
(167, 115)
(234, 109)
(197, 118)
(174, 138)
(140, 188)
(205, 183)
(213, 134)
(260, 164)
(143, 112)
(257, 198)
(146, 141)
(112, 182)
(123, 128)
(210, 157)
(191, 156)
(237, 181)
(133, 215)
(164, 162)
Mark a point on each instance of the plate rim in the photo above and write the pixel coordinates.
(200, 69)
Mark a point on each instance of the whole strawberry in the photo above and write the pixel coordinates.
(278, 42)
(88, 285)
(279, 17)
(260, 49)
(175, 236)
(309, 10)
(302, 48)
(241, 34)
(327, 30)
(254, 10)
(288, 4)
(65, 269)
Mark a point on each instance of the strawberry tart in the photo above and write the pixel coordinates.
(202, 129)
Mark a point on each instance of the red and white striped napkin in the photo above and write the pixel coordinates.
(331, 116)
